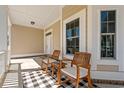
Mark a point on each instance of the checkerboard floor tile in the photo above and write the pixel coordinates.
(36, 79)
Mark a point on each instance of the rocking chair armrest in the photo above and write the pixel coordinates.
(57, 59)
(79, 65)
(61, 62)
(65, 62)
(66, 59)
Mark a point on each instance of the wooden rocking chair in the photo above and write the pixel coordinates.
(48, 61)
(80, 68)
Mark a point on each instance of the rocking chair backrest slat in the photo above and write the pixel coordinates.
(75, 58)
(82, 58)
(56, 54)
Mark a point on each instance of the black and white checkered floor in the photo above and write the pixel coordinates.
(25, 75)
(36, 79)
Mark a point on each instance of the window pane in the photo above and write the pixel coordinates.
(103, 40)
(108, 41)
(67, 26)
(109, 46)
(74, 49)
(113, 40)
(73, 42)
(103, 46)
(72, 45)
(69, 42)
(103, 52)
(77, 49)
(69, 46)
(111, 27)
(72, 36)
(104, 27)
(77, 22)
(73, 32)
(72, 24)
(69, 50)
(103, 15)
(76, 31)
(68, 33)
(111, 16)
(77, 42)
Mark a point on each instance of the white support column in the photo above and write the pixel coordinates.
(89, 36)
(61, 31)
(3, 38)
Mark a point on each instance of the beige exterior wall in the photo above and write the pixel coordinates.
(70, 10)
(56, 34)
(26, 40)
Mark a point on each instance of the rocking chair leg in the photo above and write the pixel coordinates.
(52, 70)
(59, 75)
(77, 83)
(89, 82)
(46, 68)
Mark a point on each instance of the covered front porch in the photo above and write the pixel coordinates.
(29, 35)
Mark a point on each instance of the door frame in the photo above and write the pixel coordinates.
(46, 32)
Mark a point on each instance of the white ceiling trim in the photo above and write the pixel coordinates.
(52, 23)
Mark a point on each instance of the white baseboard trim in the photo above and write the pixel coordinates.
(26, 55)
(107, 75)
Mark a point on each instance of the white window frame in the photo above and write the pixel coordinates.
(107, 61)
(82, 31)
(101, 34)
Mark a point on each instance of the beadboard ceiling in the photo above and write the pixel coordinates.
(42, 15)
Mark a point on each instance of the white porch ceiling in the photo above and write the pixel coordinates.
(42, 15)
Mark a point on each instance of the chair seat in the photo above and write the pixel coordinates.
(72, 71)
(50, 60)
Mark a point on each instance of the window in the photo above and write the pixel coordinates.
(108, 34)
(72, 36)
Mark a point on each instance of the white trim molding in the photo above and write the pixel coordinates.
(52, 23)
(26, 55)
